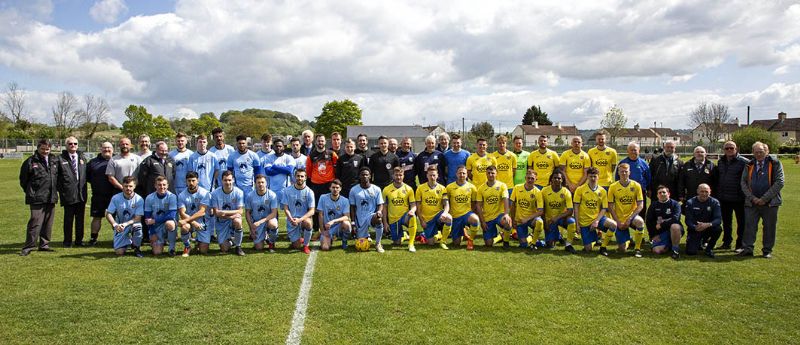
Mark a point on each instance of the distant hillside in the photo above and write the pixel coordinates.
(279, 122)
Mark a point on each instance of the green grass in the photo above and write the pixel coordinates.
(85, 295)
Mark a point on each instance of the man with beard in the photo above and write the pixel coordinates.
(381, 163)
(125, 212)
(522, 161)
(605, 159)
(454, 158)
(244, 164)
(348, 165)
(298, 156)
(144, 146)
(321, 167)
(575, 162)
(278, 166)
(366, 203)
(405, 155)
(362, 146)
(193, 206)
(160, 211)
(543, 161)
(222, 151)
(180, 156)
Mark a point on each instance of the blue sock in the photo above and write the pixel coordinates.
(172, 237)
(272, 235)
(185, 238)
(237, 237)
(345, 236)
(676, 248)
(306, 237)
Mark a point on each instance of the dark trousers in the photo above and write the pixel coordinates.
(74, 214)
(769, 220)
(318, 190)
(728, 209)
(40, 226)
(695, 238)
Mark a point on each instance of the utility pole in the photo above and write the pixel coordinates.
(463, 127)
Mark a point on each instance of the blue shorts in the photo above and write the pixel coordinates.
(491, 228)
(396, 228)
(294, 232)
(336, 230)
(522, 229)
(362, 227)
(261, 233)
(552, 234)
(123, 239)
(203, 233)
(224, 230)
(159, 230)
(665, 237)
(459, 224)
(623, 236)
(433, 226)
(589, 235)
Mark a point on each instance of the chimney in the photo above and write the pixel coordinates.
(636, 127)
(535, 124)
(781, 116)
(558, 124)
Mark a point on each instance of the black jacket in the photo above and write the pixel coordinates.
(728, 177)
(150, 169)
(691, 177)
(662, 174)
(381, 166)
(72, 189)
(39, 179)
(347, 167)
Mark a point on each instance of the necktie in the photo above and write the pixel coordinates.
(74, 164)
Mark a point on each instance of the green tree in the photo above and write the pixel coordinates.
(336, 116)
(140, 122)
(746, 137)
(613, 122)
(279, 123)
(181, 125)
(535, 113)
(252, 127)
(482, 130)
(205, 124)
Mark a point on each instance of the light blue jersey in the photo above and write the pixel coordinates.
(278, 170)
(159, 207)
(333, 209)
(123, 210)
(222, 159)
(299, 163)
(181, 168)
(261, 206)
(191, 202)
(454, 160)
(299, 201)
(205, 165)
(244, 166)
(227, 201)
(366, 201)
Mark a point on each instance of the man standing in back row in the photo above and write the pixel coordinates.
(37, 177)
(761, 183)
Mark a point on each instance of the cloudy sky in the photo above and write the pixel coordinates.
(424, 62)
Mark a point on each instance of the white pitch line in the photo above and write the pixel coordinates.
(299, 318)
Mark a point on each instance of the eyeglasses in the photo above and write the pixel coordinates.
(730, 148)
(72, 144)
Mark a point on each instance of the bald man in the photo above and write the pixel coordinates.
(703, 221)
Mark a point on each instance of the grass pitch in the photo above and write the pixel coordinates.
(86, 295)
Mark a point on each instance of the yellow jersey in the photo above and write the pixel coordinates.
(574, 164)
(493, 199)
(430, 200)
(460, 198)
(556, 203)
(477, 166)
(398, 201)
(625, 198)
(543, 164)
(590, 202)
(526, 201)
(604, 160)
(506, 166)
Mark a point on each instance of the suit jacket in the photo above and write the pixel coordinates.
(71, 188)
(38, 179)
(150, 169)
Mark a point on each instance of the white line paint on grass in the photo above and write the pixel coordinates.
(299, 318)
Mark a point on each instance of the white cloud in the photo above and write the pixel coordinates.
(681, 78)
(108, 11)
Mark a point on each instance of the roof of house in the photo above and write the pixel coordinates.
(549, 130)
(388, 131)
(635, 133)
(665, 132)
(726, 127)
(792, 124)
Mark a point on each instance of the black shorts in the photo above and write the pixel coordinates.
(99, 206)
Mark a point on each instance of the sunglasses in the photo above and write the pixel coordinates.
(730, 148)
(72, 144)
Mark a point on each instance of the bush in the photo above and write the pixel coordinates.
(793, 149)
(746, 137)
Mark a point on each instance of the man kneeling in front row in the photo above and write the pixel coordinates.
(664, 222)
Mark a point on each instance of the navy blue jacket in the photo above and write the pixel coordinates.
(706, 212)
(670, 212)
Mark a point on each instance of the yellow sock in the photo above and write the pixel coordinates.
(473, 231)
(537, 231)
(570, 232)
(638, 235)
(412, 231)
(446, 232)
(607, 237)
(506, 235)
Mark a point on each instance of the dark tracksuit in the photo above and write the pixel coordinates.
(406, 159)
(706, 212)
(669, 212)
(347, 170)
(424, 160)
(72, 190)
(665, 172)
(151, 168)
(38, 178)
(381, 166)
(728, 190)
